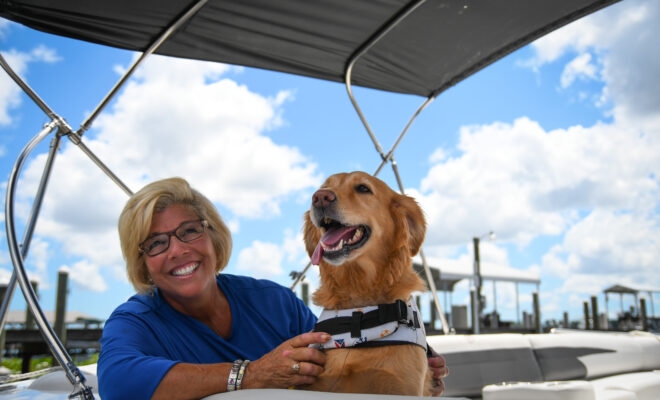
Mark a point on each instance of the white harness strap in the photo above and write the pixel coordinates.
(411, 330)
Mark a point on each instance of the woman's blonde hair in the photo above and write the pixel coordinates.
(135, 223)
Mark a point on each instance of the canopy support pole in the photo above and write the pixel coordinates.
(299, 277)
(57, 348)
(389, 157)
(32, 220)
(517, 304)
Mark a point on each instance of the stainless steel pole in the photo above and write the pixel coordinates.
(57, 348)
(32, 219)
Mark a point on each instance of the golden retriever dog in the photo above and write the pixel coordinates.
(362, 235)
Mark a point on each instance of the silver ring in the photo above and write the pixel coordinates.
(296, 367)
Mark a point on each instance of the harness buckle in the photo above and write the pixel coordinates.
(355, 325)
(402, 312)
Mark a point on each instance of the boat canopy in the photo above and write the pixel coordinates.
(436, 44)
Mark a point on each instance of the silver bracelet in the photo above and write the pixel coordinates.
(233, 374)
(241, 374)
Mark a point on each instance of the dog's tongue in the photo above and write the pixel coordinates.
(330, 239)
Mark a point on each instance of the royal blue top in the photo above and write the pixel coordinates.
(144, 337)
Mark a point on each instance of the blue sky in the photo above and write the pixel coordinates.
(555, 148)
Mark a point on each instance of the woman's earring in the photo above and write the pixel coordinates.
(151, 282)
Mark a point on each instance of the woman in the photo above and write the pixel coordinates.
(167, 340)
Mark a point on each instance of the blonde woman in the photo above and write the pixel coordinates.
(191, 331)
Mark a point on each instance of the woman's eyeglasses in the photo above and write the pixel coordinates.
(186, 232)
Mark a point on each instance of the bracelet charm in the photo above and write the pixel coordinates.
(241, 374)
(233, 375)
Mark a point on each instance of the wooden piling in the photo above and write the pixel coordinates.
(587, 326)
(594, 312)
(60, 305)
(642, 314)
(305, 293)
(537, 312)
(433, 314)
(473, 313)
(29, 318)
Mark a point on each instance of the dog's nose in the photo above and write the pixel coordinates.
(323, 198)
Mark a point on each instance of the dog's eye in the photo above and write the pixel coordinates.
(361, 188)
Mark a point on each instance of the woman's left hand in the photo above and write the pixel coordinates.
(439, 370)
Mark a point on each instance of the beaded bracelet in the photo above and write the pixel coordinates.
(231, 381)
(241, 374)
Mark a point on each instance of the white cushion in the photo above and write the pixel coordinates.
(557, 390)
(645, 385)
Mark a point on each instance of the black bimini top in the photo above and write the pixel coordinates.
(439, 43)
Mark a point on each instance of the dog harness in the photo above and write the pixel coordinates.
(372, 326)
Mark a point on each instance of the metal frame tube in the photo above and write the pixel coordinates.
(389, 157)
(32, 219)
(371, 42)
(100, 164)
(56, 347)
(300, 276)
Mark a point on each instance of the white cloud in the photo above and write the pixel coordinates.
(261, 259)
(175, 118)
(36, 262)
(86, 275)
(579, 68)
(10, 93)
(623, 38)
(265, 259)
(521, 181)
(616, 247)
(178, 118)
(5, 275)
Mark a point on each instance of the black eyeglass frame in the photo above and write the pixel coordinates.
(143, 251)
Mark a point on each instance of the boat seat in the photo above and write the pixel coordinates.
(590, 355)
(598, 365)
(478, 360)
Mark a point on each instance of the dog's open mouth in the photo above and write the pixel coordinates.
(339, 240)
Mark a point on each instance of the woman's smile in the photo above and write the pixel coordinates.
(185, 271)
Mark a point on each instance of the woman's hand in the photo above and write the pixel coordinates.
(290, 364)
(439, 370)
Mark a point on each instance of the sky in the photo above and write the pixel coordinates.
(555, 148)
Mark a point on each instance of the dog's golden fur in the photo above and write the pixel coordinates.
(380, 271)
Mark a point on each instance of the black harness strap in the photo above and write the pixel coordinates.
(397, 311)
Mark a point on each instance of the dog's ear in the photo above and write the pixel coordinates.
(415, 221)
(311, 234)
